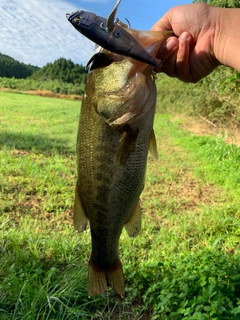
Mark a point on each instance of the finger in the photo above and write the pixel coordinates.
(168, 48)
(169, 66)
(166, 54)
(182, 59)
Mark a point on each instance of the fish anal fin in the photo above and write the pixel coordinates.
(99, 279)
(152, 145)
(126, 145)
(79, 216)
(133, 226)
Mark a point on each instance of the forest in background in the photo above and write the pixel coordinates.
(62, 76)
(10, 67)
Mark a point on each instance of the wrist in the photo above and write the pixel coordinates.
(227, 36)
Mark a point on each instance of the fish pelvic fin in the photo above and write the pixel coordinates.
(133, 226)
(79, 216)
(152, 145)
(99, 279)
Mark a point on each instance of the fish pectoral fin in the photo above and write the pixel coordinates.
(133, 226)
(152, 145)
(126, 145)
(79, 216)
(99, 279)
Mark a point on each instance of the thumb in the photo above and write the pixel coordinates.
(163, 24)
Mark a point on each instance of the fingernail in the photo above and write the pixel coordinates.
(185, 36)
(172, 44)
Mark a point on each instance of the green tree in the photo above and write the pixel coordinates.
(63, 70)
(10, 67)
(221, 3)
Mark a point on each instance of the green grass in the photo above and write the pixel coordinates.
(185, 263)
(54, 86)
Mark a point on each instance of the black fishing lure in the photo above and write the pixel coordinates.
(110, 35)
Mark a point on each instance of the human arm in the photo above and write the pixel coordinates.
(206, 37)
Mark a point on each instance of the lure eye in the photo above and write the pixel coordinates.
(78, 19)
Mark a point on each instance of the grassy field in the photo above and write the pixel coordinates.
(185, 264)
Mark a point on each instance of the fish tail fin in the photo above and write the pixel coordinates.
(99, 279)
(116, 280)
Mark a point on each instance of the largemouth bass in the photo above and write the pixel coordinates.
(114, 136)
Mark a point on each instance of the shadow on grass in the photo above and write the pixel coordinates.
(41, 286)
(39, 143)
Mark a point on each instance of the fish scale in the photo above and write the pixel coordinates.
(115, 133)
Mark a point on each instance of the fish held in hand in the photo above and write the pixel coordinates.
(114, 136)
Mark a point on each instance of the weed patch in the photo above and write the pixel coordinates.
(204, 285)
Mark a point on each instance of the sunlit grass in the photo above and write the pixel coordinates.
(183, 265)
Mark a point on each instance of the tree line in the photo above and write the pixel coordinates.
(10, 67)
(62, 70)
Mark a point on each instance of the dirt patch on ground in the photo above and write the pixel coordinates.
(202, 127)
(183, 194)
(175, 187)
(45, 93)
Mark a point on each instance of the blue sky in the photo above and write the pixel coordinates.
(37, 31)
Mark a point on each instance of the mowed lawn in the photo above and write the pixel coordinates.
(185, 264)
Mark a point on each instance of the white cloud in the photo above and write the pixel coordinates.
(97, 1)
(37, 32)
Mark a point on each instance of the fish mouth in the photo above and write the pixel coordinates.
(102, 58)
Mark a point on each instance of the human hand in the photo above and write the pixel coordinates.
(190, 54)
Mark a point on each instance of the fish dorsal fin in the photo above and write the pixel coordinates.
(133, 226)
(152, 145)
(79, 216)
(111, 17)
(126, 145)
